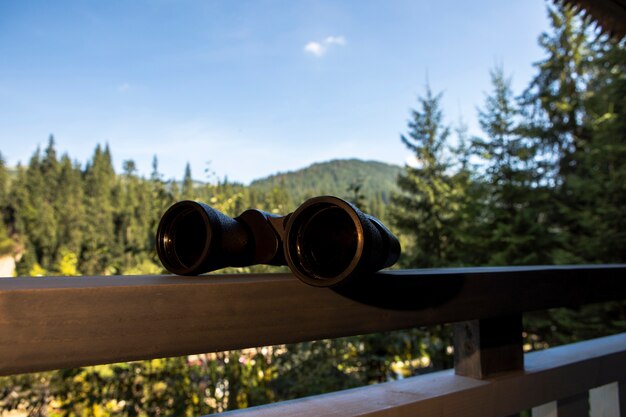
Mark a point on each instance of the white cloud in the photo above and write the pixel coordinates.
(320, 48)
(315, 48)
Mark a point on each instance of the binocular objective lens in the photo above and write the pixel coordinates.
(327, 242)
(188, 236)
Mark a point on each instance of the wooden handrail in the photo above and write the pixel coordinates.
(551, 375)
(61, 322)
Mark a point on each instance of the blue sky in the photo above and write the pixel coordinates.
(249, 87)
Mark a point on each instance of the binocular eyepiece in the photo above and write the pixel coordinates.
(325, 242)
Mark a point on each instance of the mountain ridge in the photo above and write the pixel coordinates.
(375, 179)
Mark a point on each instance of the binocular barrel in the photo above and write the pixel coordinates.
(325, 242)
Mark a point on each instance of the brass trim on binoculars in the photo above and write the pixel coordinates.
(326, 242)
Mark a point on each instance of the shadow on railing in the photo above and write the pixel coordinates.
(63, 322)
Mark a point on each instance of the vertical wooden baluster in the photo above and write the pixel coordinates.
(604, 401)
(490, 346)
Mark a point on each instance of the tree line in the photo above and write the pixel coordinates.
(545, 183)
(63, 218)
(66, 219)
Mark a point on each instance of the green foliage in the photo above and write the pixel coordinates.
(99, 252)
(4, 182)
(7, 246)
(554, 100)
(594, 191)
(516, 202)
(187, 190)
(427, 209)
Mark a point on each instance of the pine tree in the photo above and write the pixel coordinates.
(427, 208)
(18, 198)
(6, 243)
(37, 216)
(50, 170)
(4, 185)
(70, 207)
(133, 219)
(516, 230)
(577, 102)
(187, 186)
(554, 100)
(98, 254)
(555, 108)
(472, 193)
(595, 192)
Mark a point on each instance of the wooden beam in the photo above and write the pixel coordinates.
(63, 322)
(558, 373)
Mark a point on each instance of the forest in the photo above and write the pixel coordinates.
(545, 183)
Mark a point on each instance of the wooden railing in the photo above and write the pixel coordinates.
(61, 322)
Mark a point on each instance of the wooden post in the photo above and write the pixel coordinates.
(488, 346)
(621, 395)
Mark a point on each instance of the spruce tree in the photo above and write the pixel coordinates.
(50, 170)
(516, 230)
(471, 195)
(6, 243)
(17, 199)
(595, 192)
(556, 119)
(70, 206)
(427, 209)
(577, 106)
(555, 99)
(99, 250)
(187, 186)
(37, 216)
(134, 218)
(4, 184)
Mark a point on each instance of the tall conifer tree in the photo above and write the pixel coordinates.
(98, 249)
(187, 186)
(70, 206)
(4, 183)
(595, 192)
(554, 100)
(517, 232)
(427, 207)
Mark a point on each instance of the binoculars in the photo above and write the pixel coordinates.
(326, 242)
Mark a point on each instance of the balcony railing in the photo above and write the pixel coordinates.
(62, 322)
